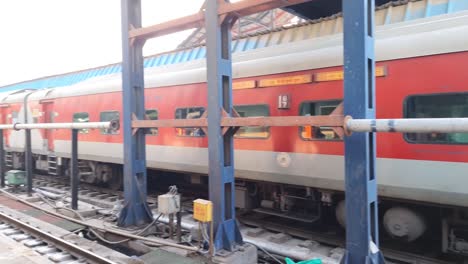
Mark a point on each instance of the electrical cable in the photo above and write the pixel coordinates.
(92, 231)
(90, 225)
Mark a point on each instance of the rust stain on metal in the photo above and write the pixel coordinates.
(238, 9)
(335, 120)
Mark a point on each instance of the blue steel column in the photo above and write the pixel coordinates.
(136, 210)
(359, 102)
(220, 147)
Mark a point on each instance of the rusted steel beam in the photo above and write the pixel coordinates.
(329, 121)
(238, 9)
(199, 122)
(246, 7)
(169, 27)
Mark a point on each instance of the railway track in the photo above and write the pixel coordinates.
(391, 255)
(332, 240)
(85, 187)
(56, 249)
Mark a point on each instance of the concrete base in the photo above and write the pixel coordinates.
(246, 254)
(159, 256)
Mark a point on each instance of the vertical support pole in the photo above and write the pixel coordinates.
(75, 180)
(28, 160)
(136, 210)
(2, 160)
(179, 226)
(220, 146)
(362, 234)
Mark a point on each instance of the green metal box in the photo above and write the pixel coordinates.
(16, 177)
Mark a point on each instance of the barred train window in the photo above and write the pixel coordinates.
(314, 109)
(437, 106)
(80, 118)
(109, 116)
(252, 110)
(189, 113)
(14, 117)
(152, 114)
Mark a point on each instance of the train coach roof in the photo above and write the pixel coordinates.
(323, 52)
(390, 13)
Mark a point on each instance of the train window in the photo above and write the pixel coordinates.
(253, 110)
(109, 116)
(14, 117)
(189, 113)
(437, 106)
(314, 109)
(152, 114)
(81, 118)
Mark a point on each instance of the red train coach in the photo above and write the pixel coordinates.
(288, 172)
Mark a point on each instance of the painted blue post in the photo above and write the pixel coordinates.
(136, 210)
(220, 147)
(362, 233)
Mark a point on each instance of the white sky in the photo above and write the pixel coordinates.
(48, 37)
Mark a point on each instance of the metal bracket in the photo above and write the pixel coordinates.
(231, 129)
(134, 129)
(339, 112)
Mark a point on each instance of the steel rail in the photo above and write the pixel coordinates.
(76, 125)
(85, 186)
(95, 227)
(56, 241)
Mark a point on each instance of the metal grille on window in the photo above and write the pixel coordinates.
(315, 109)
(106, 117)
(437, 106)
(189, 113)
(14, 117)
(152, 115)
(249, 111)
(81, 118)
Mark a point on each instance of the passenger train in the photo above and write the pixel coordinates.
(289, 172)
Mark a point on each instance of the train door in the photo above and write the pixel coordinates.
(4, 120)
(48, 117)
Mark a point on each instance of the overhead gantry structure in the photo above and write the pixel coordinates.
(221, 122)
(248, 25)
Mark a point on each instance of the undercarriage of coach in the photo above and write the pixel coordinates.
(92, 172)
(406, 225)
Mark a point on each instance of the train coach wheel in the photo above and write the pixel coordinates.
(109, 175)
(116, 182)
(86, 170)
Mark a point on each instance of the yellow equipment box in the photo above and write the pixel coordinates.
(203, 210)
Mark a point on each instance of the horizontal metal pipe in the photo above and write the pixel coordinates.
(409, 125)
(77, 125)
(404, 125)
